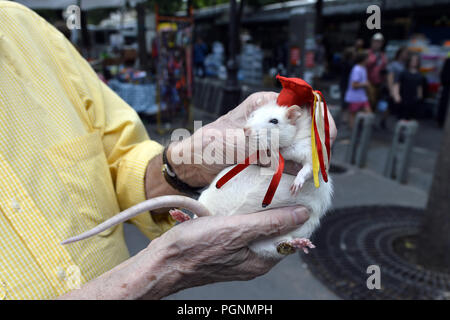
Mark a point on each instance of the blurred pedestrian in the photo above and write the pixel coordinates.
(200, 51)
(356, 95)
(394, 69)
(408, 90)
(320, 57)
(445, 82)
(358, 46)
(345, 67)
(383, 103)
(376, 64)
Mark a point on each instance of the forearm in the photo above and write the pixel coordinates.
(396, 92)
(357, 85)
(143, 276)
(390, 81)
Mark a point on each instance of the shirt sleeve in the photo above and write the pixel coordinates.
(363, 75)
(397, 75)
(126, 144)
(356, 75)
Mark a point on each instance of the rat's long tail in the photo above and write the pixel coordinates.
(151, 204)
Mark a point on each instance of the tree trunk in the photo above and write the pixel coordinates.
(232, 46)
(142, 45)
(231, 91)
(319, 17)
(238, 22)
(85, 39)
(188, 8)
(434, 244)
(240, 13)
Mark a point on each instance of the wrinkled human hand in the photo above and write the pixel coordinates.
(214, 249)
(223, 143)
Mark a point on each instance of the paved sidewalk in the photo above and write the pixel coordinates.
(291, 279)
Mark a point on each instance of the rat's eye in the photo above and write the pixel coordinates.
(274, 121)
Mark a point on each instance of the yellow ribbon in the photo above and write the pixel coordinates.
(321, 130)
(315, 157)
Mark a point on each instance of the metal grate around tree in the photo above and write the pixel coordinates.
(349, 240)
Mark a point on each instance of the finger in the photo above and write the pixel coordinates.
(264, 159)
(265, 97)
(238, 116)
(258, 99)
(290, 167)
(271, 222)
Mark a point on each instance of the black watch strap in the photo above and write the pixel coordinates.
(174, 181)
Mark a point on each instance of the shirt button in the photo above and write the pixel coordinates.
(61, 273)
(15, 205)
(3, 291)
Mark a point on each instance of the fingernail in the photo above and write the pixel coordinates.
(300, 215)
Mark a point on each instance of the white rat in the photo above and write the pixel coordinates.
(244, 193)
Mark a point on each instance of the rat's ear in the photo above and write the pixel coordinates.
(293, 113)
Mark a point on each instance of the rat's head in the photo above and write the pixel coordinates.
(273, 117)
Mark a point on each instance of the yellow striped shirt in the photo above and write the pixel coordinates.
(72, 154)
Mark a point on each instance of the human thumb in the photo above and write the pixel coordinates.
(272, 222)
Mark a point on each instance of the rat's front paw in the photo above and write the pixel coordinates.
(297, 185)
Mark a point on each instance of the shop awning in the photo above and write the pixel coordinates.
(84, 4)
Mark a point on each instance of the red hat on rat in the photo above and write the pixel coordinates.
(298, 92)
(295, 91)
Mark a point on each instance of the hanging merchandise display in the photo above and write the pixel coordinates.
(174, 67)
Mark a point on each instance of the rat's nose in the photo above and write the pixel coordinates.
(247, 131)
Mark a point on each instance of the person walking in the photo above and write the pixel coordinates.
(356, 95)
(345, 68)
(200, 51)
(408, 90)
(394, 69)
(376, 66)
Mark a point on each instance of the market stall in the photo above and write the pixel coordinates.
(173, 53)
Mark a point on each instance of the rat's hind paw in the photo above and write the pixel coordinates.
(302, 243)
(179, 215)
(297, 185)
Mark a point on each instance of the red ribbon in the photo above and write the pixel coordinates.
(273, 183)
(320, 153)
(327, 126)
(230, 174)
